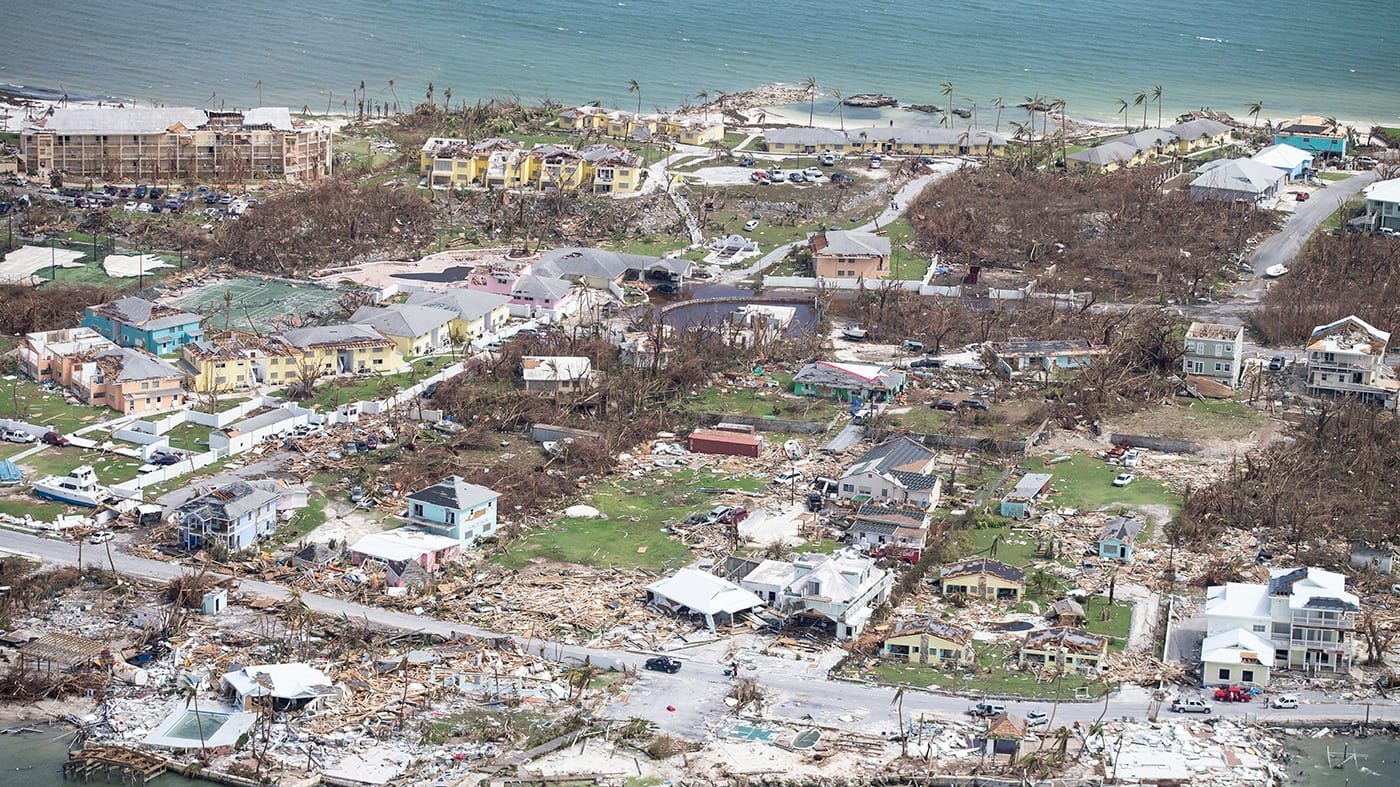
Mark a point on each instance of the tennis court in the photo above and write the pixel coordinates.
(253, 303)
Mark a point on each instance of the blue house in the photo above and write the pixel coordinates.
(1117, 537)
(137, 322)
(455, 509)
(1021, 502)
(235, 516)
(1313, 134)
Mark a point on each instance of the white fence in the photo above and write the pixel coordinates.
(237, 412)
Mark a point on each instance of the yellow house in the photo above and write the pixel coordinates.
(477, 312)
(415, 330)
(612, 170)
(807, 140)
(554, 167)
(336, 349)
(459, 162)
(689, 130)
(584, 118)
(235, 361)
(624, 125)
(1063, 647)
(1199, 134)
(984, 578)
(929, 641)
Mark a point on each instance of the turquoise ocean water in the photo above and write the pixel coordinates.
(1334, 58)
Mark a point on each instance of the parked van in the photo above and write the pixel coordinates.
(987, 709)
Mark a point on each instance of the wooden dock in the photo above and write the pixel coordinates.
(113, 763)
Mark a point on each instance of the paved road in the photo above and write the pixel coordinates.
(1283, 246)
(688, 702)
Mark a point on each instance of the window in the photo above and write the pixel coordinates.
(418, 509)
(1217, 367)
(1224, 674)
(848, 488)
(1260, 628)
(451, 517)
(1247, 676)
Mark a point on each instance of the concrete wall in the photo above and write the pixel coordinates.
(1164, 444)
(235, 413)
(766, 424)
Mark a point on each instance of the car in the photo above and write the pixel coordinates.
(875, 162)
(926, 363)
(124, 192)
(776, 176)
(827, 159)
(946, 405)
(211, 199)
(130, 207)
(841, 177)
(1037, 718)
(16, 436)
(54, 438)
(812, 173)
(1123, 479)
(973, 404)
(226, 199)
(1284, 701)
(663, 664)
(926, 160)
(759, 176)
(796, 177)
(668, 288)
(985, 709)
(1189, 705)
(100, 537)
(815, 502)
(1366, 161)
(750, 225)
(1277, 363)
(143, 207)
(1132, 458)
(157, 192)
(787, 478)
(1388, 232)
(912, 346)
(734, 515)
(164, 458)
(140, 192)
(747, 160)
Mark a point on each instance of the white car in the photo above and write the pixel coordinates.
(827, 159)
(812, 173)
(787, 478)
(143, 207)
(1132, 458)
(1123, 479)
(750, 225)
(130, 207)
(875, 162)
(1284, 701)
(16, 436)
(776, 176)
(100, 537)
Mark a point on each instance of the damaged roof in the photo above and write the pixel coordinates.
(1072, 640)
(934, 628)
(403, 319)
(144, 314)
(1121, 528)
(228, 503)
(1043, 348)
(336, 336)
(895, 455)
(982, 565)
(124, 364)
(840, 374)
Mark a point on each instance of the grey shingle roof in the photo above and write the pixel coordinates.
(124, 364)
(455, 493)
(1198, 128)
(1239, 175)
(854, 244)
(330, 335)
(936, 628)
(1121, 528)
(402, 319)
(467, 304)
(228, 502)
(141, 313)
(541, 288)
(983, 565)
(894, 455)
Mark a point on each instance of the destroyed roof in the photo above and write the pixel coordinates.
(295, 681)
(1067, 607)
(1069, 638)
(121, 120)
(1121, 528)
(1243, 175)
(404, 543)
(317, 554)
(610, 155)
(141, 313)
(555, 368)
(237, 345)
(1351, 334)
(703, 592)
(1029, 486)
(1006, 727)
(467, 304)
(1312, 125)
(455, 493)
(279, 118)
(851, 243)
(228, 503)
(446, 147)
(402, 319)
(572, 262)
(897, 454)
(65, 649)
(124, 364)
(1214, 330)
(1237, 646)
(336, 336)
(840, 374)
(1043, 348)
(934, 628)
(982, 565)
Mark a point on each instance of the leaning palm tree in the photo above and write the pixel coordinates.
(1123, 107)
(704, 98)
(1141, 99)
(1254, 109)
(810, 85)
(1025, 132)
(633, 87)
(840, 106)
(394, 93)
(447, 98)
(998, 103)
(1059, 105)
(1157, 96)
(946, 88)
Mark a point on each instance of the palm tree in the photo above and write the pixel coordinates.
(1157, 96)
(1023, 131)
(633, 87)
(394, 93)
(447, 98)
(1123, 107)
(1254, 109)
(1141, 99)
(191, 683)
(1059, 105)
(259, 86)
(704, 98)
(946, 88)
(429, 95)
(973, 106)
(840, 106)
(997, 102)
(810, 85)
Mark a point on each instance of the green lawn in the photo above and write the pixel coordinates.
(922, 419)
(650, 245)
(22, 400)
(636, 510)
(41, 510)
(1086, 482)
(338, 391)
(189, 437)
(111, 468)
(763, 402)
(993, 675)
(1117, 625)
(1185, 419)
(1336, 175)
(1349, 209)
(733, 138)
(303, 521)
(1014, 549)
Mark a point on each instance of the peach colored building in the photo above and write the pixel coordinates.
(128, 381)
(847, 254)
(53, 355)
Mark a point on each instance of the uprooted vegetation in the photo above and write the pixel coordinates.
(46, 308)
(530, 220)
(1334, 483)
(1117, 234)
(330, 223)
(1332, 277)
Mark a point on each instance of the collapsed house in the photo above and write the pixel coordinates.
(929, 641)
(899, 532)
(285, 687)
(1064, 647)
(839, 591)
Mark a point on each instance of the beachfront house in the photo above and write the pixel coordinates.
(415, 330)
(285, 687)
(849, 254)
(1148, 145)
(1346, 357)
(455, 509)
(1199, 134)
(897, 472)
(1236, 657)
(929, 641)
(1318, 136)
(1306, 615)
(1214, 351)
(984, 578)
(806, 140)
(137, 322)
(609, 169)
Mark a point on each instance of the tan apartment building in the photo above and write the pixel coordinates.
(167, 144)
(847, 254)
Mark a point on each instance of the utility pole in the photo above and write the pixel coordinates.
(53, 260)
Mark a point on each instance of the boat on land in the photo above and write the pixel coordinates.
(855, 333)
(1275, 271)
(79, 488)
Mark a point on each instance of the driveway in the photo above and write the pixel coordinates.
(1283, 246)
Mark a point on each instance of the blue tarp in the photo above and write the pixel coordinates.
(9, 474)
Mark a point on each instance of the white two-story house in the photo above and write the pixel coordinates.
(1347, 358)
(897, 472)
(842, 589)
(1304, 616)
(1214, 351)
